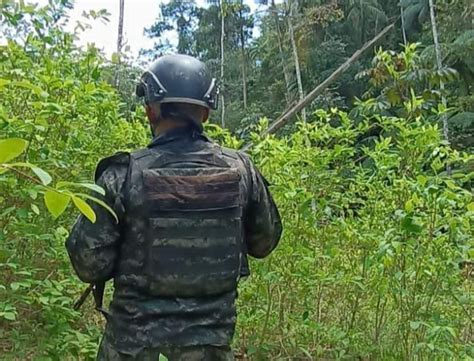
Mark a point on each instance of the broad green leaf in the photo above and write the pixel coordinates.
(470, 207)
(85, 209)
(422, 180)
(409, 225)
(11, 148)
(409, 206)
(91, 186)
(101, 203)
(94, 187)
(9, 316)
(450, 184)
(162, 358)
(27, 85)
(56, 202)
(42, 175)
(414, 325)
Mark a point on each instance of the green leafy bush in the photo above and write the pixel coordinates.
(376, 258)
(372, 264)
(57, 119)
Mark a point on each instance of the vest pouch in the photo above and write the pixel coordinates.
(194, 232)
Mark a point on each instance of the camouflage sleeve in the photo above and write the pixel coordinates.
(262, 220)
(93, 247)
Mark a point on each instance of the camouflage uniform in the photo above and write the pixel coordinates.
(179, 248)
(214, 353)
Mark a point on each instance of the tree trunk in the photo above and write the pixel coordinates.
(288, 115)
(222, 2)
(439, 63)
(281, 53)
(295, 56)
(402, 17)
(244, 60)
(119, 43)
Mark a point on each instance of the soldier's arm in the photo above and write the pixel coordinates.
(93, 247)
(262, 222)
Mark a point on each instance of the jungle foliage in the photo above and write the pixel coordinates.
(264, 57)
(376, 261)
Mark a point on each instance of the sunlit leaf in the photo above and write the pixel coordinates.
(11, 148)
(42, 175)
(101, 203)
(91, 186)
(15, 286)
(84, 208)
(450, 184)
(414, 325)
(56, 202)
(470, 207)
(8, 316)
(27, 85)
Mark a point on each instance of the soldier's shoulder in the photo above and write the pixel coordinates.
(118, 159)
(235, 154)
(228, 152)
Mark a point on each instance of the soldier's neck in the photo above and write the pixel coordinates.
(166, 125)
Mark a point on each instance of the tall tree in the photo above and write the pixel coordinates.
(402, 17)
(359, 13)
(244, 57)
(293, 4)
(222, 99)
(179, 16)
(439, 63)
(119, 42)
(276, 19)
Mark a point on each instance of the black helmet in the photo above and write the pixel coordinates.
(178, 79)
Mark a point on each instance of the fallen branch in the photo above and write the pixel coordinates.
(287, 116)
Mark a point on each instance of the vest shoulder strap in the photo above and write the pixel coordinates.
(121, 158)
(140, 153)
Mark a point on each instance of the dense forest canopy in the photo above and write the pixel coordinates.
(373, 179)
(284, 49)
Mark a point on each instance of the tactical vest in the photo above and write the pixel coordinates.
(185, 212)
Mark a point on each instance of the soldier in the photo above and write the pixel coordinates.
(189, 212)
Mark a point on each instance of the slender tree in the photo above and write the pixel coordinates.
(274, 12)
(402, 17)
(292, 5)
(244, 56)
(119, 42)
(222, 101)
(439, 63)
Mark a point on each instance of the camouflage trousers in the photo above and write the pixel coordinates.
(191, 353)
